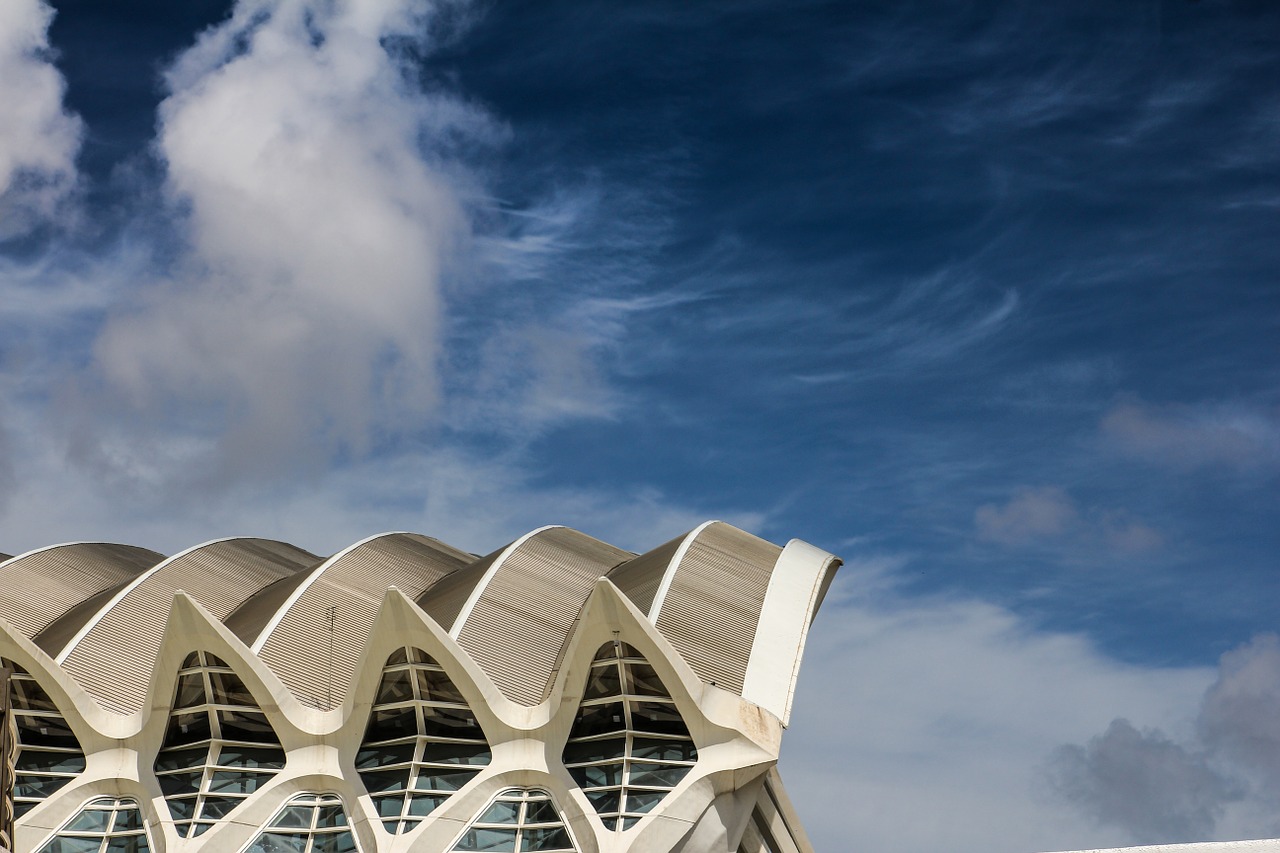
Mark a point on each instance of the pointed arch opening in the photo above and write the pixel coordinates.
(103, 825)
(518, 820)
(307, 823)
(219, 748)
(629, 746)
(422, 742)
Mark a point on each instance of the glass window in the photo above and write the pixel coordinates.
(422, 742)
(519, 820)
(629, 746)
(218, 748)
(47, 754)
(104, 825)
(308, 823)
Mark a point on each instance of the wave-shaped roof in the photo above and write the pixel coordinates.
(735, 607)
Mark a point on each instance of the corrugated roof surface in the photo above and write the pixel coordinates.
(525, 613)
(115, 658)
(640, 578)
(713, 605)
(444, 600)
(65, 576)
(318, 663)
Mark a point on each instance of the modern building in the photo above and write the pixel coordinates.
(559, 694)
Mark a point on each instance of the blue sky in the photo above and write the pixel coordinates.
(980, 296)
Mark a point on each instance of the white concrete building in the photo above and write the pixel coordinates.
(559, 694)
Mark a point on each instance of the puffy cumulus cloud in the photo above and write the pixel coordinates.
(1240, 718)
(1237, 437)
(1144, 782)
(1221, 780)
(1047, 513)
(319, 202)
(924, 724)
(39, 139)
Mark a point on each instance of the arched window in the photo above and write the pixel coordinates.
(104, 825)
(629, 745)
(47, 754)
(518, 820)
(422, 742)
(308, 823)
(218, 748)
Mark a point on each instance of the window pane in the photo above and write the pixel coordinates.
(603, 681)
(451, 722)
(545, 839)
(599, 719)
(501, 812)
(645, 681)
(180, 759)
(389, 780)
(45, 731)
(187, 728)
(251, 726)
(90, 820)
(190, 691)
(424, 804)
(438, 687)
(381, 756)
(664, 750)
(597, 775)
(228, 689)
(249, 756)
(655, 775)
(488, 839)
(218, 807)
(595, 750)
(659, 718)
(433, 780)
(392, 724)
(396, 686)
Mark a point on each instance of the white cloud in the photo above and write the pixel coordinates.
(1032, 513)
(1236, 437)
(1048, 514)
(925, 725)
(1144, 783)
(320, 214)
(1219, 781)
(39, 139)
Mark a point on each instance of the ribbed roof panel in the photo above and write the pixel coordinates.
(65, 576)
(712, 608)
(444, 600)
(316, 644)
(525, 613)
(114, 659)
(640, 578)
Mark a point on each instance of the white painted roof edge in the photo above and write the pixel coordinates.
(119, 596)
(1261, 845)
(283, 609)
(670, 574)
(799, 580)
(479, 588)
(16, 557)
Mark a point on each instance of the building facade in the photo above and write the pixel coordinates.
(559, 694)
